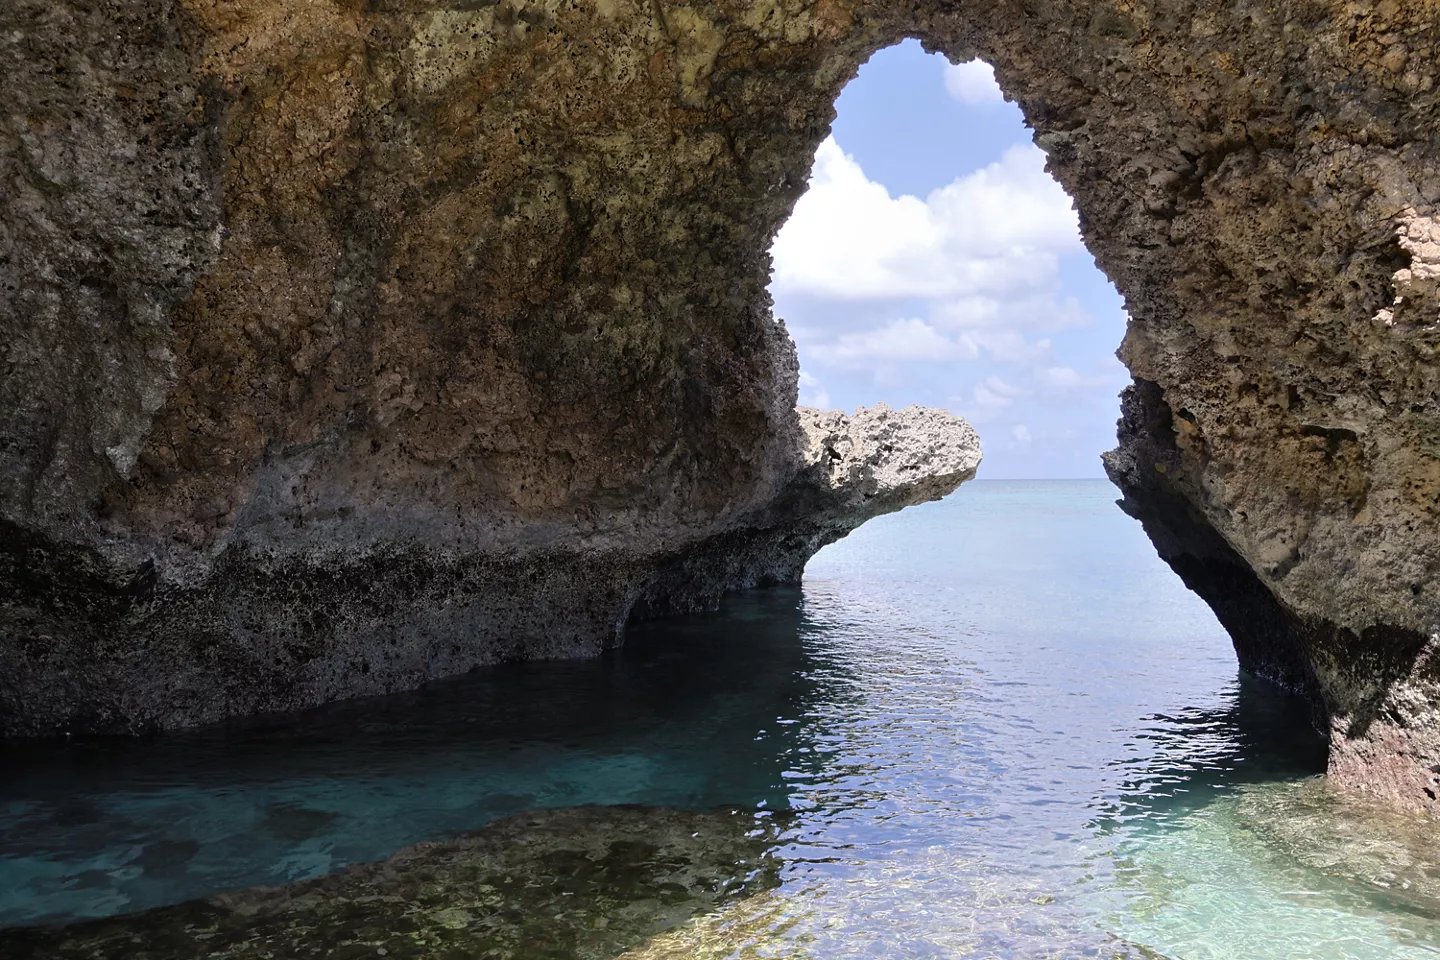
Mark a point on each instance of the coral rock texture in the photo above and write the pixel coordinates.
(853, 468)
(427, 321)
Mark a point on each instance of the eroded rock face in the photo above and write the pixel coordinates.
(853, 468)
(276, 631)
(329, 319)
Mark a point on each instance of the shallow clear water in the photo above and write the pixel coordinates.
(1006, 727)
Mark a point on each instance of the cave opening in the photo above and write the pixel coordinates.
(933, 260)
(493, 290)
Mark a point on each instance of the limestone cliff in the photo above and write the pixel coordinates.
(289, 627)
(325, 317)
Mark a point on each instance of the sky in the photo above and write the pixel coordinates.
(934, 261)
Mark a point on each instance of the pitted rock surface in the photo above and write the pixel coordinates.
(887, 457)
(853, 468)
(445, 324)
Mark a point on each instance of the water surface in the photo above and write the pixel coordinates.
(1005, 729)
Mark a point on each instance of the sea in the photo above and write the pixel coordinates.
(998, 726)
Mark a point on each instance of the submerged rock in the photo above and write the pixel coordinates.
(587, 883)
(772, 926)
(1389, 855)
(350, 345)
(1331, 872)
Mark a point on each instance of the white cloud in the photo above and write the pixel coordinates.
(1067, 378)
(988, 399)
(805, 333)
(1008, 345)
(996, 232)
(976, 296)
(812, 392)
(1035, 309)
(898, 340)
(1002, 388)
(972, 82)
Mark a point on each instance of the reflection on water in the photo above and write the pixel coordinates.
(1003, 727)
(685, 718)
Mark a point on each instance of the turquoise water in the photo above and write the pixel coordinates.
(1007, 730)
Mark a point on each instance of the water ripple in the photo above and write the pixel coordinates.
(1004, 729)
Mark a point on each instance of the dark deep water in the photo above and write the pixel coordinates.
(1007, 728)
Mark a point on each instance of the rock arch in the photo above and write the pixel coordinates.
(422, 323)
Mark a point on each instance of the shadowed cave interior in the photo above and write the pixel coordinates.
(478, 361)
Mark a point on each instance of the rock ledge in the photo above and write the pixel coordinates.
(853, 468)
(265, 629)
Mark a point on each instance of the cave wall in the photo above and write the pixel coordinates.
(325, 317)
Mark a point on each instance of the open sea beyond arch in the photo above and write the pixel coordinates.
(1004, 728)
